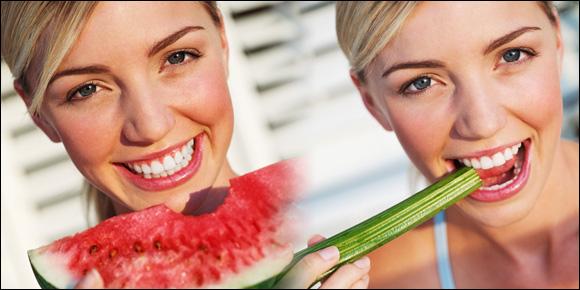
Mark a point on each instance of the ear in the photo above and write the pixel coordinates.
(38, 119)
(559, 42)
(370, 102)
(224, 43)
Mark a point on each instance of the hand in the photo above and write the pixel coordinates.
(348, 276)
(92, 280)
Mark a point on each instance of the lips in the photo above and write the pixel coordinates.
(504, 178)
(156, 179)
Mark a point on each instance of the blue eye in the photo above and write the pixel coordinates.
(177, 57)
(421, 83)
(82, 92)
(87, 90)
(512, 55)
(417, 85)
(181, 57)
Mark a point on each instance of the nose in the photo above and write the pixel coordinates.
(147, 118)
(480, 112)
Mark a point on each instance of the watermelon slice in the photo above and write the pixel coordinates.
(238, 245)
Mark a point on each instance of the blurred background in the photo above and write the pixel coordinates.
(292, 97)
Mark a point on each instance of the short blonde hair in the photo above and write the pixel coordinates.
(364, 28)
(41, 33)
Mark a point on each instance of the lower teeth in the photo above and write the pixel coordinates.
(517, 169)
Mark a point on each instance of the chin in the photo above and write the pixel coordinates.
(497, 215)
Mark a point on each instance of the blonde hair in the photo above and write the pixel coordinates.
(364, 28)
(41, 33)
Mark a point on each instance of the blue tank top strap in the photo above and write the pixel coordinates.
(443, 261)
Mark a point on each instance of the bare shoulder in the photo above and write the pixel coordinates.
(406, 262)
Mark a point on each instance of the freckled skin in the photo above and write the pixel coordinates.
(479, 101)
(145, 104)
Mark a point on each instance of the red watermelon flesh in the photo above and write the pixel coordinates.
(238, 245)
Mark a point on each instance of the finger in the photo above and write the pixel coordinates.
(361, 284)
(315, 240)
(92, 280)
(348, 274)
(310, 267)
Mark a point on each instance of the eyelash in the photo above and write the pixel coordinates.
(403, 89)
(193, 53)
(73, 92)
(528, 51)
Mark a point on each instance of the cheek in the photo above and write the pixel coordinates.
(541, 106)
(205, 101)
(422, 129)
(89, 144)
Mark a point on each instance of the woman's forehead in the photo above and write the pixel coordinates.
(121, 26)
(442, 28)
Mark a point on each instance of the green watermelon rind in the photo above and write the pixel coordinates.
(267, 267)
(41, 281)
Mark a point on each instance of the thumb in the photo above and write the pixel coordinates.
(312, 266)
(92, 280)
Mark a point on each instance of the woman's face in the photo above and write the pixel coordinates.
(467, 83)
(140, 85)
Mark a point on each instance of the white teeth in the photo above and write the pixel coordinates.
(507, 154)
(515, 148)
(475, 163)
(486, 162)
(498, 159)
(184, 152)
(146, 169)
(168, 165)
(156, 167)
(178, 157)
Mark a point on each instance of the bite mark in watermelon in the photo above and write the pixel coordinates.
(236, 246)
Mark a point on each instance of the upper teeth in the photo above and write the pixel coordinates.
(165, 165)
(497, 159)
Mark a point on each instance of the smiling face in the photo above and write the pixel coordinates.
(469, 90)
(142, 105)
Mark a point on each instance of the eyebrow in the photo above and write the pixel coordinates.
(155, 48)
(437, 64)
(507, 38)
(159, 45)
(92, 69)
(414, 64)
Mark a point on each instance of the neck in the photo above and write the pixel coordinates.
(542, 232)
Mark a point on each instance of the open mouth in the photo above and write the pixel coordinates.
(503, 171)
(166, 169)
(167, 165)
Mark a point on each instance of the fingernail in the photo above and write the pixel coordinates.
(363, 262)
(329, 253)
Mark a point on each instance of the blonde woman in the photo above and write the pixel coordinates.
(122, 86)
(473, 84)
